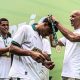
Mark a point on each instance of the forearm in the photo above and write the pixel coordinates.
(51, 42)
(4, 50)
(47, 56)
(68, 34)
(19, 51)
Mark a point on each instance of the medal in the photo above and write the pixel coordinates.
(58, 48)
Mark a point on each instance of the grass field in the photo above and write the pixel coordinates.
(18, 11)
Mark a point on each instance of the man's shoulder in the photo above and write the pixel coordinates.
(26, 27)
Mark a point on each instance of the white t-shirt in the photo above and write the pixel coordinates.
(46, 45)
(47, 49)
(71, 63)
(25, 66)
(5, 62)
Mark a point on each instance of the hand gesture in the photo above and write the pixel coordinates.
(45, 54)
(37, 56)
(49, 64)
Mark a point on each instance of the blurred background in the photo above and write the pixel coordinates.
(20, 12)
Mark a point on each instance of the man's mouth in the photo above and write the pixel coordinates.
(72, 22)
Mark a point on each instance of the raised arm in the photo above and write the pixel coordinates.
(74, 37)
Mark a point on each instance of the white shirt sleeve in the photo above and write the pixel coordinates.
(46, 46)
(63, 40)
(20, 34)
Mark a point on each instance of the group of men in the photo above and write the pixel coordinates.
(24, 57)
(29, 55)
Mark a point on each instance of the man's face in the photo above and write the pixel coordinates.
(45, 30)
(4, 27)
(75, 20)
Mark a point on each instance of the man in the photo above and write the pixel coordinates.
(27, 49)
(47, 50)
(71, 40)
(5, 58)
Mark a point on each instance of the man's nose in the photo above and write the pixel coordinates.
(6, 27)
(71, 19)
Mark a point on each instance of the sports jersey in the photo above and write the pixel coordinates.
(25, 66)
(5, 61)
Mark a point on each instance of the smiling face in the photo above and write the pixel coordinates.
(4, 27)
(75, 19)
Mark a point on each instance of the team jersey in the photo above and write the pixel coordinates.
(5, 61)
(25, 66)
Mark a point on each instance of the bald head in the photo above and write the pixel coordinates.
(75, 19)
(76, 12)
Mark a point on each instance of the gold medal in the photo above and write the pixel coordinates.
(8, 54)
(58, 48)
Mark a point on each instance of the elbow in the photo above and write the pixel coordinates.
(74, 39)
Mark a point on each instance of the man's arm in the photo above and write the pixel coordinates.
(22, 52)
(68, 34)
(52, 39)
(18, 51)
(4, 50)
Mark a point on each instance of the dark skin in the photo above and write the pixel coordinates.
(52, 39)
(47, 63)
(37, 56)
(75, 22)
(45, 30)
(21, 52)
(4, 28)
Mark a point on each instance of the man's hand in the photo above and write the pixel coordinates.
(45, 54)
(37, 56)
(4, 50)
(49, 64)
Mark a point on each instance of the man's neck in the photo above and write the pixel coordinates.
(37, 29)
(77, 27)
(4, 35)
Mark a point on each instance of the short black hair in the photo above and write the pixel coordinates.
(50, 24)
(3, 19)
(47, 21)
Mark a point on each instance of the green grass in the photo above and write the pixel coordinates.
(18, 11)
(57, 57)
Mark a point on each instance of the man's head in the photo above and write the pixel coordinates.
(4, 26)
(75, 19)
(44, 27)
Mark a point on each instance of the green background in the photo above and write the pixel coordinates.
(18, 11)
